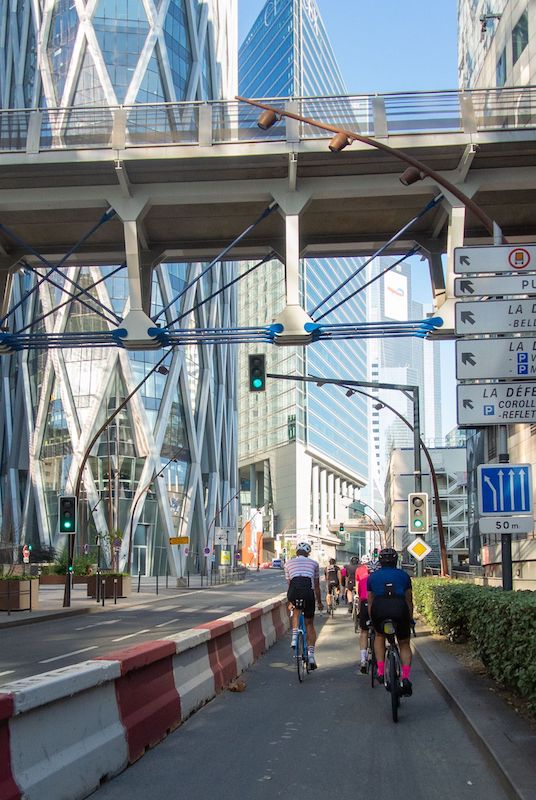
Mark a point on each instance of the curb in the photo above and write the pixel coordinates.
(505, 740)
(76, 612)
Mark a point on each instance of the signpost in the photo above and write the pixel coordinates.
(25, 554)
(495, 258)
(504, 489)
(497, 358)
(507, 525)
(179, 539)
(471, 288)
(419, 549)
(495, 316)
(495, 403)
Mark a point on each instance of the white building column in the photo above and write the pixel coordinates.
(315, 489)
(323, 500)
(331, 496)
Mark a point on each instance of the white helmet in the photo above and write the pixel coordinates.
(365, 559)
(305, 547)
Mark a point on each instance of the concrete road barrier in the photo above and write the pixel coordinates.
(63, 732)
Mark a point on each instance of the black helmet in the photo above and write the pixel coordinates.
(354, 560)
(332, 561)
(388, 557)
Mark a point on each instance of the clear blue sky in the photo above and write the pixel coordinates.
(385, 46)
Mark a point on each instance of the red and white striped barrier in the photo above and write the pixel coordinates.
(63, 732)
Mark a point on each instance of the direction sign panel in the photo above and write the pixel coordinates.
(495, 258)
(515, 524)
(496, 358)
(495, 316)
(495, 403)
(504, 489)
(179, 539)
(518, 283)
(419, 549)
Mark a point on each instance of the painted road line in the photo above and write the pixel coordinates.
(6, 672)
(130, 635)
(67, 655)
(169, 622)
(96, 624)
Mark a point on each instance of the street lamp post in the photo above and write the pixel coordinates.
(157, 367)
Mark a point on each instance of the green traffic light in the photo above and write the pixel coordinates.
(256, 383)
(417, 523)
(67, 524)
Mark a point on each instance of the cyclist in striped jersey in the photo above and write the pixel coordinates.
(303, 577)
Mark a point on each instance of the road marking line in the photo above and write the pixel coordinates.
(130, 635)
(96, 624)
(7, 672)
(66, 655)
(161, 625)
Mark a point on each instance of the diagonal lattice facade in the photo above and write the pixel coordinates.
(166, 465)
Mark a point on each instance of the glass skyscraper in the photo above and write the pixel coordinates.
(312, 456)
(166, 466)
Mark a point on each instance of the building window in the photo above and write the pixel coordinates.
(500, 73)
(520, 36)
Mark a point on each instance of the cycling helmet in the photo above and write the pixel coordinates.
(303, 548)
(354, 560)
(388, 557)
(366, 559)
(332, 561)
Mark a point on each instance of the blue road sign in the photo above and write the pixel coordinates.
(504, 489)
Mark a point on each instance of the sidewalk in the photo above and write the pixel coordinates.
(51, 599)
(501, 733)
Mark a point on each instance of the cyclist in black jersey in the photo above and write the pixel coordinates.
(332, 575)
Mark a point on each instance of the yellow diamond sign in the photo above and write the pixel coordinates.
(419, 549)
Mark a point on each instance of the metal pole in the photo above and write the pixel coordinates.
(506, 560)
(115, 591)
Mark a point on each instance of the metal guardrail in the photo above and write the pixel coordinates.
(230, 122)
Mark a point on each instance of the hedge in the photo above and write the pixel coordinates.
(499, 625)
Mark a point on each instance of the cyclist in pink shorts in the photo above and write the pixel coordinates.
(361, 578)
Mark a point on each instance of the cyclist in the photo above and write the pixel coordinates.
(350, 581)
(390, 596)
(361, 580)
(303, 577)
(332, 575)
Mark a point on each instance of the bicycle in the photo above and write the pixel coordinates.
(355, 612)
(331, 606)
(301, 653)
(372, 664)
(393, 668)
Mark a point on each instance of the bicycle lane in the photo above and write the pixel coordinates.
(332, 733)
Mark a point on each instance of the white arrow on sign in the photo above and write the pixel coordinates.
(495, 316)
(494, 258)
(512, 524)
(495, 403)
(471, 288)
(496, 358)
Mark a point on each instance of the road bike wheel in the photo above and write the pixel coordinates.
(394, 684)
(300, 664)
(372, 663)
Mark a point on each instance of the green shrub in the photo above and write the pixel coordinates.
(500, 627)
(19, 577)
(81, 564)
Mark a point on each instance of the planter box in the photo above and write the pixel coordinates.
(124, 585)
(59, 580)
(19, 595)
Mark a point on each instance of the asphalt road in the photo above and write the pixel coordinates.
(31, 649)
(331, 736)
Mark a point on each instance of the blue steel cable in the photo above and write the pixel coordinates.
(55, 268)
(71, 298)
(223, 288)
(378, 252)
(267, 211)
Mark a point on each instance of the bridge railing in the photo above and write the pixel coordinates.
(230, 122)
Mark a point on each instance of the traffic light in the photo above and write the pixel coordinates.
(257, 372)
(67, 513)
(375, 554)
(418, 512)
(341, 527)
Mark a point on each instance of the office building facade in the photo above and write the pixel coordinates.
(166, 466)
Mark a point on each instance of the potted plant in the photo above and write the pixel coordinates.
(113, 581)
(19, 592)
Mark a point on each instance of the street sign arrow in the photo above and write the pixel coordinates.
(468, 404)
(468, 358)
(496, 403)
(466, 287)
(467, 316)
(495, 258)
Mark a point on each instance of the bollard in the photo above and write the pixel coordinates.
(8, 600)
(97, 586)
(115, 591)
(157, 583)
(167, 580)
(103, 591)
(139, 580)
(188, 579)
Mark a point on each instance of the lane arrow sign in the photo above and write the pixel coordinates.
(468, 404)
(467, 316)
(465, 260)
(468, 358)
(466, 287)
